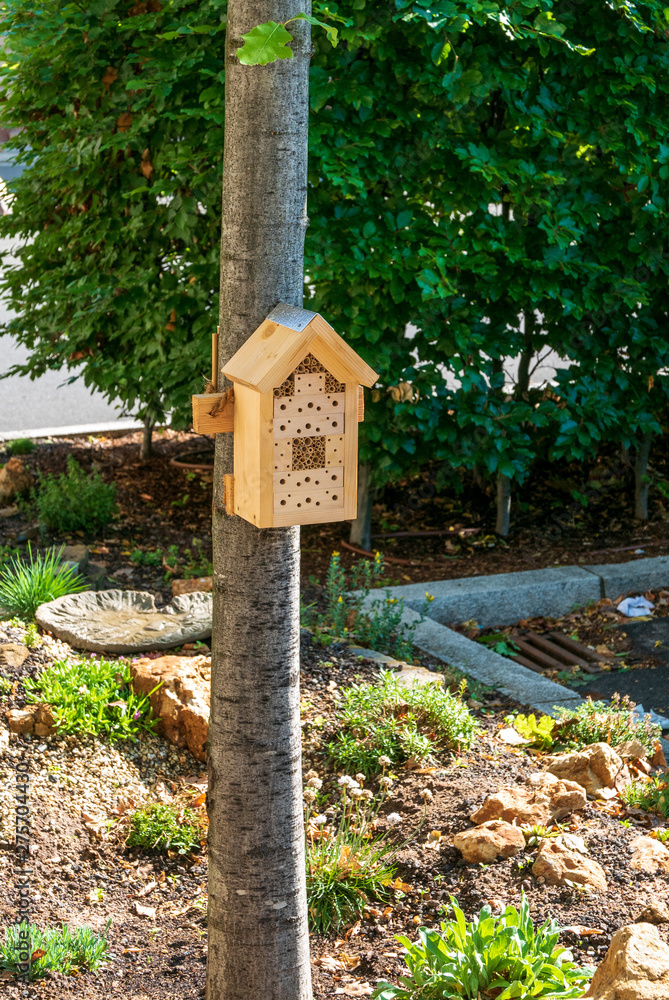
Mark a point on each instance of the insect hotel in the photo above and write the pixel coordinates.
(294, 410)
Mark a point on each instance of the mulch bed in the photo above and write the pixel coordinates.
(424, 534)
(69, 860)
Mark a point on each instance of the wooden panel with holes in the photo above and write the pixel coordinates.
(308, 479)
(308, 426)
(283, 455)
(318, 504)
(310, 383)
(334, 450)
(309, 405)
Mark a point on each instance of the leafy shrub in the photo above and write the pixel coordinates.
(499, 957)
(75, 501)
(162, 827)
(399, 722)
(651, 795)
(347, 867)
(140, 558)
(92, 696)
(348, 614)
(64, 950)
(597, 722)
(26, 585)
(20, 446)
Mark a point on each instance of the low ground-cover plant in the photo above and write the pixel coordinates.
(191, 564)
(500, 957)
(25, 584)
(651, 795)
(20, 446)
(74, 501)
(398, 721)
(163, 827)
(92, 696)
(591, 722)
(351, 615)
(56, 949)
(348, 866)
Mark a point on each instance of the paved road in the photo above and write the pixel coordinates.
(47, 403)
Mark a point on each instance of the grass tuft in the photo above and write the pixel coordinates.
(398, 722)
(24, 585)
(92, 696)
(56, 949)
(161, 827)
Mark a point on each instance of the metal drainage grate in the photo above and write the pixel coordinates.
(556, 651)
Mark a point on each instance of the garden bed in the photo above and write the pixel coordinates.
(161, 505)
(84, 873)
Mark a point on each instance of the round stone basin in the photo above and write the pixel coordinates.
(126, 621)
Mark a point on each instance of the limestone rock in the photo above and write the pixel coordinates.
(181, 703)
(12, 654)
(649, 855)
(636, 966)
(544, 799)
(14, 480)
(631, 749)
(596, 766)
(494, 839)
(126, 621)
(37, 719)
(201, 584)
(409, 674)
(76, 557)
(654, 913)
(558, 865)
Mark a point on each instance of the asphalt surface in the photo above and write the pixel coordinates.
(48, 403)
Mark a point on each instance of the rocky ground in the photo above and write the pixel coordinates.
(81, 788)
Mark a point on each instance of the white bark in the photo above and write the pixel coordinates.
(258, 947)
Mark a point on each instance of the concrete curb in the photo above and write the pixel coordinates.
(505, 598)
(491, 669)
(121, 426)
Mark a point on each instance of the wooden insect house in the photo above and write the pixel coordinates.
(296, 404)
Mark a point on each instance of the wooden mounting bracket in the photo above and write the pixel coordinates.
(214, 412)
(229, 494)
(361, 403)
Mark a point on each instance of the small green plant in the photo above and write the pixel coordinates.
(92, 696)
(534, 834)
(540, 733)
(140, 558)
(24, 585)
(56, 949)
(74, 501)
(501, 957)
(5, 685)
(161, 827)
(398, 721)
(191, 565)
(347, 866)
(20, 446)
(651, 796)
(350, 614)
(500, 643)
(32, 638)
(597, 722)
(661, 835)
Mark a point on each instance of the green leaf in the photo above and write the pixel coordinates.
(330, 30)
(265, 44)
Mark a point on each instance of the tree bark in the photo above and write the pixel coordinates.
(361, 527)
(641, 483)
(258, 946)
(146, 449)
(503, 521)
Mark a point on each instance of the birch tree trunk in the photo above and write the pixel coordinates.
(258, 946)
